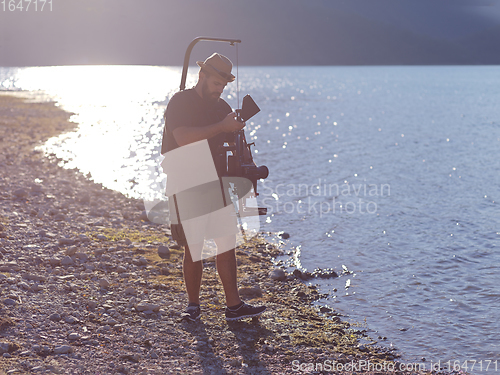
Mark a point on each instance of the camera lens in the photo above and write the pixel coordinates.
(261, 172)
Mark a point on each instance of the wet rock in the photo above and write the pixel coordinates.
(277, 274)
(163, 252)
(284, 235)
(363, 348)
(325, 309)
(63, 349)
(326, 273)
(302, 275)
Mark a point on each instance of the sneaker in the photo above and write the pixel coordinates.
(244, 311)
(192, 313)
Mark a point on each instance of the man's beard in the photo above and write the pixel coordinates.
(209, 97)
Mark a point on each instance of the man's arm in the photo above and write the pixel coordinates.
(185, 134)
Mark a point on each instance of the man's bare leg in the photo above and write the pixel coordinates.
(193, 272)
(226, 267)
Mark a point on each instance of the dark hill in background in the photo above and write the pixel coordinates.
(274, 32)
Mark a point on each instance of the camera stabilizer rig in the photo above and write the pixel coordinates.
(240, 163)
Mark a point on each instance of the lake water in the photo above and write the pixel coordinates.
(393, 172)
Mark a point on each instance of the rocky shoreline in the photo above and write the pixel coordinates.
(89, 286)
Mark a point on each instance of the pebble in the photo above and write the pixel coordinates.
(63, 349)
(147, 306)
(8, 347)
(9, 302)
(60, 217)
(36, 288)
(285, 235)
(67, 261)
(55, 317)
(9, 267)
(24, 285)
(164, 252)
(71, 250)
(130, 290)
(70, 319)
(99, 252)
(103, 283)
(82, 256)
(20, 193)
(54, 261)
(74, 336)
(251, 291)
(278, 274)
(66, 241)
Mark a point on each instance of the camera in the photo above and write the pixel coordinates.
(240, 161)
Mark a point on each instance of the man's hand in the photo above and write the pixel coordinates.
(230, 124)
(185, 135)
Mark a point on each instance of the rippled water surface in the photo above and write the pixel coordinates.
(393, 172)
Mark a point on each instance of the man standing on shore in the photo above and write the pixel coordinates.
(197, 123)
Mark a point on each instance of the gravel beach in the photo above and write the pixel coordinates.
(84, 290)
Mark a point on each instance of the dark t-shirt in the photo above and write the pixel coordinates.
(187, 108)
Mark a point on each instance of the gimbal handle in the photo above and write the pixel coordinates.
(188, 54)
